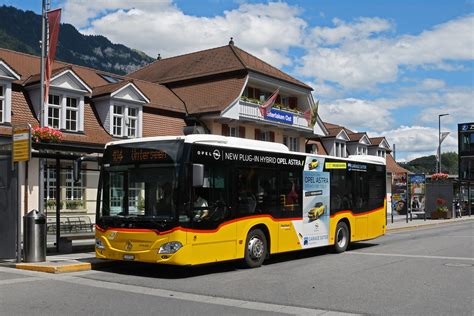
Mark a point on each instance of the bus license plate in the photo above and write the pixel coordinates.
(128, 257)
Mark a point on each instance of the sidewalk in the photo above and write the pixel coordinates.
(83, 261)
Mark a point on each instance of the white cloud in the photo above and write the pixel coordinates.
(356, 114)
(417, 141)
(359, 58)
(266, 30)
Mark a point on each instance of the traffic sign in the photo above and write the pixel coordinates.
(21, 143)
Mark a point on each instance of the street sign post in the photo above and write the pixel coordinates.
(21, 152)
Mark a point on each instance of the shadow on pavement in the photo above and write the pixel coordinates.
(159, 271)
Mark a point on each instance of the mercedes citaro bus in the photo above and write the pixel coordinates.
(196, 199)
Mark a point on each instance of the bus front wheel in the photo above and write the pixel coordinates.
(341, 238)
(255, 248)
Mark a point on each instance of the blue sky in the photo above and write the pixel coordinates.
(385, 67)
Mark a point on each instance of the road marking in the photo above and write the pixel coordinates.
(19, 280)
(407, 256)
(201, 298)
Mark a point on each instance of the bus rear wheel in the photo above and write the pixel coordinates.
(341, 238)
(255, 249)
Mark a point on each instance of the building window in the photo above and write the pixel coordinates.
(268, 136)
(74, 191)
(132, 120)
(293, 143)
(63, 112)
(49, 183)
(54, 111)
(125, 121)
(117, 120)
(2, 104)
(72, 110)
(339, 149)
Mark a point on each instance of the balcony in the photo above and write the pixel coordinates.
(278, 116)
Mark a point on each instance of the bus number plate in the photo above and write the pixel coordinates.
(128, 257)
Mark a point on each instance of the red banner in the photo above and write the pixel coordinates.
(54, 20)
(267, 106)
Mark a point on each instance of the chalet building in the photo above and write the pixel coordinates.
(223, 88)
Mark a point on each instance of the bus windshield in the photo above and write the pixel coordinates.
(140, 184)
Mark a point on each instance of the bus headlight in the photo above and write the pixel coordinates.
(99, 244)
(170, 247)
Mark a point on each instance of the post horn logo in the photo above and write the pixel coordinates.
(128, 245)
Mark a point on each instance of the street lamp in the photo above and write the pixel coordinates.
(439, 141)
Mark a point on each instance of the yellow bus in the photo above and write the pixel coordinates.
(197, 199)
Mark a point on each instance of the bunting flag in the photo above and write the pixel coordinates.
(267, 106)
(54, 19)
(311, 114)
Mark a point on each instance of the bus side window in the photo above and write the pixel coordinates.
(289, 193)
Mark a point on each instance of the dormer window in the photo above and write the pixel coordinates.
(125, 120)
(63, 112)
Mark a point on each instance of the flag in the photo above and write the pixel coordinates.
(311, 114)
(54, 18)
(267, 106)
(443, 136)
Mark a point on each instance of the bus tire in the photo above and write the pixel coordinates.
(255, 249)
(341, 237)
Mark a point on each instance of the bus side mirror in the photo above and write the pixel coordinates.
(198, 175)
(76, 169)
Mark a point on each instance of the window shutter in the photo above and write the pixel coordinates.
(225, 130)
(257, 134)
(293, 102)
(272, 136)
(242, 131)
(278, 100)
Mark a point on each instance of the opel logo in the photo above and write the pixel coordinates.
(128, 245)
(216, 154)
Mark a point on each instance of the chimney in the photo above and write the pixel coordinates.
(159, 57)
(231, 42)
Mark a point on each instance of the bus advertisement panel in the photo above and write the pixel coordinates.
(315, 223)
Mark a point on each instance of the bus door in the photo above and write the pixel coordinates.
(213, 236)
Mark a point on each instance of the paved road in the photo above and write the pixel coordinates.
(419, 272)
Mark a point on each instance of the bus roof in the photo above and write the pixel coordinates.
(243, 143)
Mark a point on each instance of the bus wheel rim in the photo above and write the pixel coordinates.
(255, 248)
(341, 237)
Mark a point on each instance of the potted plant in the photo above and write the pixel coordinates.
(439, 177)
(441, 209)
(73, 204)
(46, 135)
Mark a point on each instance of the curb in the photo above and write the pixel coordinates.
(428, 225)
(64, 266)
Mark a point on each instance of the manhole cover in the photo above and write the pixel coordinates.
(458, 265)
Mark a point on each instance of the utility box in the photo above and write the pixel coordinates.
(34, 237)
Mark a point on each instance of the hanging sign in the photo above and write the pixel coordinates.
(21, 143)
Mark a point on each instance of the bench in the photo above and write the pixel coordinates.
(71, 228)
(418, 214)
(70, 225)
(65, 241)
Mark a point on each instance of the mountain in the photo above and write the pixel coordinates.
(21, 31)
(428, 164)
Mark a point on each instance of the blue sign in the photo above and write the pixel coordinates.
(279, 116)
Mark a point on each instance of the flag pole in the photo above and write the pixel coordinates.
(44, 45)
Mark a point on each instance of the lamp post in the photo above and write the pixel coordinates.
(439, 140)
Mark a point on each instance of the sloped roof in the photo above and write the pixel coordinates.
(28, 67)
(393, 167)
(355, 137)
(210, 95)
(220, 60)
